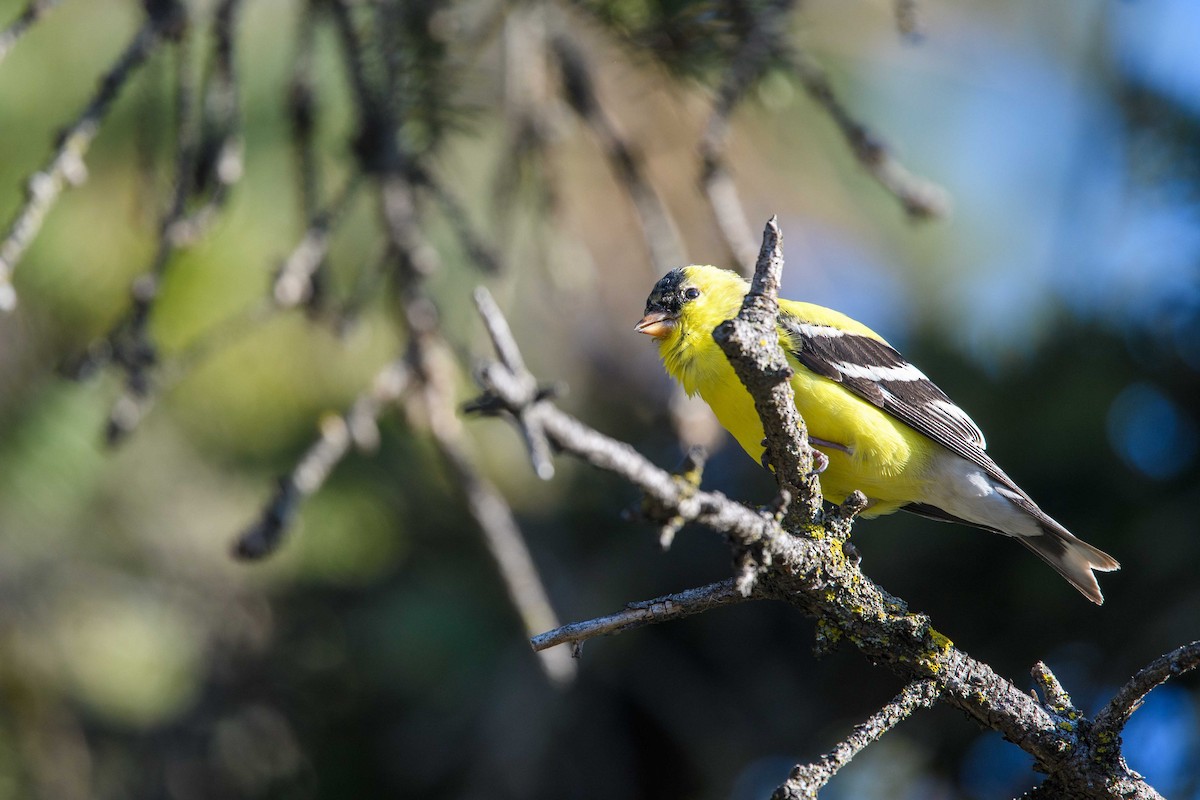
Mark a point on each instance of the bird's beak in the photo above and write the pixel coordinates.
(657, 324)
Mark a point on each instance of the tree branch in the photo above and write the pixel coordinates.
(920, 198)
(338, 432)
(66, 167)
(24, 21)
(431, 362)
(1055, 695)
(807, 780)
(760, 41)
(663, 242)
(751, 344)
(298, 276)
(908, 20)
(644, 612)
(1111, 720)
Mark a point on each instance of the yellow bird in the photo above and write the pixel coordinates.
(885, 428)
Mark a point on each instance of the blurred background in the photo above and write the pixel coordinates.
(376, 653)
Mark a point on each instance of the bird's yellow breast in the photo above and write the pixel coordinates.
(886, 460)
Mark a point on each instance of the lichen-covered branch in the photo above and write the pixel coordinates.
(1055, 696)
(752, 346)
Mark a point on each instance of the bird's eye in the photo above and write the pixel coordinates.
(691, 293)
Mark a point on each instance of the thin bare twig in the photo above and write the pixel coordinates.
(297, 279)
(663, 242)
(645, 612)
(357, 426)
(503, 390)
(131, 346)
(728, 211)
(219, 158)
(66, 167)
(507, 545)
(207, 159)
(510, 357)
(24, 21)
(807, 780)
(1112, 718)
(431, 362)
(429, 356)
(478, 250)
(920, 198)
(908, 21)
(761, 40)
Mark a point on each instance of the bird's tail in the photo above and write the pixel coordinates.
(1073, 558)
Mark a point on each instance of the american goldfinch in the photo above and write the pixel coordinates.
(885, 428)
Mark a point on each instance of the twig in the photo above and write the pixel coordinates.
(760, 41)
(358, 426)
(507, 545)
(645, 612)
(200, 164)
(366, 97)
(302, 118)
(728, 211)
(529, 120)
(908, 21)
(302, 110)
(751, 344)
(431, 363)
(1112, 718)
(663, 242)
(510, 357)
(1055, 695)
(504, 390)
(379, 155)
(920, 198)
(480, 253)
(131, 345)
(807, 780)
(66, 167)
(298, 275)
(24, 21)
(219, 158)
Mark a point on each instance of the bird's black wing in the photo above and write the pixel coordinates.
(876, 372)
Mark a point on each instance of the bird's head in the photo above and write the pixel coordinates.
(690, 300)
